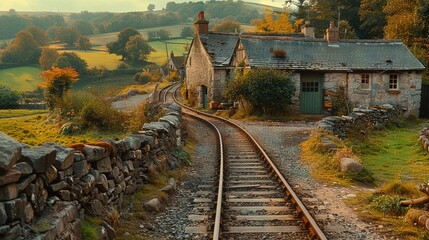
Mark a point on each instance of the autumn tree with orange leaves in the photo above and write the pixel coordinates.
(57, 82)
(274, 22)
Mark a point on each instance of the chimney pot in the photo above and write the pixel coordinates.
(332, 33)
(201, 26)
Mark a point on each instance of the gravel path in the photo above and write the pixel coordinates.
(171, 223)
(281, 141)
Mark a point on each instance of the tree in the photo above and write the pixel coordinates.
(401, 20)
(118, 47)
(267, 90)
(67, 35)
(274, 22)
(39, 35)
(48, 57)
(187, 32)
(71, 60)
(227, 26)
(23, 50)
(373, 18)
(151, 7)
(8, 97)
(137, 49)
(57, 83)
(83, 43)
(84, 27)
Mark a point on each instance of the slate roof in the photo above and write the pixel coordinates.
(220, 47)
(178, 61)
(314, 54)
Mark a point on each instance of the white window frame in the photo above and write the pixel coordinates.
(365, 85)
(393, 81)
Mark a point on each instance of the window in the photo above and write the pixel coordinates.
(310, 86)
(393, 82)
(364, 81)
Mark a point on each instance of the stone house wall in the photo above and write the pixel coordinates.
(199, 71)
(46, 190)
(407, 96)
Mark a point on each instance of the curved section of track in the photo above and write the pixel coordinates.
(251, 199)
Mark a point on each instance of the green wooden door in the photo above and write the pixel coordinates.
(311, 100)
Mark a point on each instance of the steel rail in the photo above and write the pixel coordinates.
(310, 223)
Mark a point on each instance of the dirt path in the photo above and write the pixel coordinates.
(130, 103)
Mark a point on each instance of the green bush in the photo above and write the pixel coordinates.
(340, 104)
(267, 90)
(389, 205)
(8, 97)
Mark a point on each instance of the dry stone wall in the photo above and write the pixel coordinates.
(368, 118)
(46, 190)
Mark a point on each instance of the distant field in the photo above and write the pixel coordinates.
(20, 113)
(21, 78)
(103, 39)
(176, 45)
(99, 59)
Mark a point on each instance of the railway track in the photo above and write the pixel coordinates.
(249, 198)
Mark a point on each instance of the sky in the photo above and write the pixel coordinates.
(97, 5)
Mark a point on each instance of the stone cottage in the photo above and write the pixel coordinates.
(208, 65)
(372, 72)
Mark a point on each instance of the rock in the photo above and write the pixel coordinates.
(78, 157)
(58, 186)
(328, 144)
(13, 233)
(10, 152)
(110, 230)
(104, 165)
(102, 233)
(24, 168)
(102, 183)
(94, 153)
(15, 209)
(64, 158)
(153, 205)
(172, 183)
(50, 175)
(40, 158)
(64, 195)
(133, 142)
(350, 165)
(9, 176)
(80, 168)
(87, 182)
(23, 183)
(157, 126)
(97, 207)
(9, 192)
(4, 229)
(28, 213)
(37, 195)
(3, 215)
(171, 119)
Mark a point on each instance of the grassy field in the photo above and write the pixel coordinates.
(20, 113)
(103, 39)
(395, 154)
(177, 46)
(21, 78)
(107, 86)
(34, 131)
(99, 59)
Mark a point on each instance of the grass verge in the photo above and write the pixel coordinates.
(20, 113)
(35, 131)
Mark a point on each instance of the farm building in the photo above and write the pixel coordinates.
(372, 72)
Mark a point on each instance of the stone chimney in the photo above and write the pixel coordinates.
(332, 33)
(307, 29)
(201, 26)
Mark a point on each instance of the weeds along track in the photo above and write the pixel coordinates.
(249, 199)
